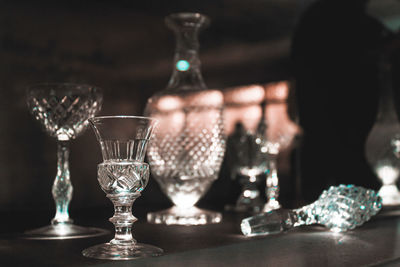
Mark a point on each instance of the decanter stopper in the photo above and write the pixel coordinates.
(340, 208)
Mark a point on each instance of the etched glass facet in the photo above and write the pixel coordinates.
(340, 208)
(123, 175)
(63, 110)
(118, 177)
(187, 150)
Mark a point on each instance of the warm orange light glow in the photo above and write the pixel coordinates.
(277, 91)
(204, 98)
(243, 104)
(248, 115)
(173, 117)
(244, 94)
(168, 103)
(280, 128)
(170, 123)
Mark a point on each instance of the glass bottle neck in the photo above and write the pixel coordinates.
(186, 70)
(386, 108)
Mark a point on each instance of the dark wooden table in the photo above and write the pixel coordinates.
(374, 244)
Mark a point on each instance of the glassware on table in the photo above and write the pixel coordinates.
(383, 142)
(187, 150)
(63, 110)
(251, 164)
(245, 124)
(280, 134)
(123, 175)
(340, 208)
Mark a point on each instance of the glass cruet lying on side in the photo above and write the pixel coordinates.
(340, 208)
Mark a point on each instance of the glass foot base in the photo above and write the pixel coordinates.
(63, 231)
(108, 251)
(189, 216)
(272, 204)
(390, 195)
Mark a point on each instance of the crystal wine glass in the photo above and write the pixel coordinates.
(245, 123)
(63, 110)
(249, 164)
(383, 142)
(280, 134)
(123, 175)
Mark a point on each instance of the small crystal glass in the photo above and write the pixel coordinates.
(122, 176)
(63, 110)
(249, 165)
(281, 133)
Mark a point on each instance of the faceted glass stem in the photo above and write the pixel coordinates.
(272, 182)
(123, 219)
(62, 187)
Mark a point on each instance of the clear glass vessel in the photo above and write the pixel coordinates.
(281, 132)
(123, 175)
(383, 142)
(250, 163)
(340, 208)
(187, 151)
(63, 110)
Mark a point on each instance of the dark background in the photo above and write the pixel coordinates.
(125, 48)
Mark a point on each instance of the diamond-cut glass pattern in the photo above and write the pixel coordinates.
(345, 207)
(63, 110)
(187, 149)
(123, 177)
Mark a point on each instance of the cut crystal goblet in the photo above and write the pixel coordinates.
(122, 176)
(63, 110)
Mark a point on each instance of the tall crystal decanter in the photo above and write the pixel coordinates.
(187, 151)
(383, 143)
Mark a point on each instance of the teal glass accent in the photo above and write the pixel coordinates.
(182, 65)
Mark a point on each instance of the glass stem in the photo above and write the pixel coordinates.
(123, 218)
(272, 190)
(62, 187)
(249, 189)
(305, 215)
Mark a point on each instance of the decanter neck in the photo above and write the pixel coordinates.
(305, 215)
(386, 109)
(186, 65)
